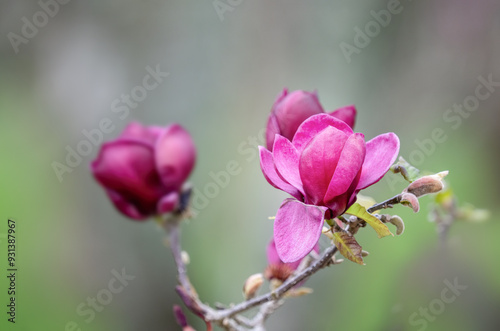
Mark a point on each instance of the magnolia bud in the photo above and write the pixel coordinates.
(327, 232)
(181, 319)
(427, 184)
(412, 200)
(298, 292)
(185, 257)
(398, 223)
(336, 261)
(190, 301)
(275, 283)
(252, 285)
(143, 170)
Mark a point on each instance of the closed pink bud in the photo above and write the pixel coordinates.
(291, 109)
(144, 169)
(427, 184)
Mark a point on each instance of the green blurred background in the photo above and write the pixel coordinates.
(224, 74)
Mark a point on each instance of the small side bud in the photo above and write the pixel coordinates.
(398, 223)
(252, 285)
(190, 301)
(298, 292)
(411, 200)
(409, 172)
(336, 261)
(427, 184)
(181, 319)
(327, 232)
(364, 253)
(185, 257)
(275, 283)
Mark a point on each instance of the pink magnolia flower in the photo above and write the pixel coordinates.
(277, 269)
(323, 167)
(144, 169)
(291, 109)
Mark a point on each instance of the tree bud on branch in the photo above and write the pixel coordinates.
(252, 285)
(427, 184)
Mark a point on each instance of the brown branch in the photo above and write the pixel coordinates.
(228, 318)
(385, 204)
(280, 291)
(224, 317)
(173, 230)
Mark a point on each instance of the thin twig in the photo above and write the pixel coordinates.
(173, 231)
(265, 311)
(279, 292)
(219, 316)
(385, 204)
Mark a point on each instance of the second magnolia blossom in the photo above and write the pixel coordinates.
(144, 169)
(322, 167)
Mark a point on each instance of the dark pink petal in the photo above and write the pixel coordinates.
(272, 253)
(314, 125)
(175, 156)
(281, 96)
(297, 229)
(339, 204)
(286, 160)
(346, 114)
(273, 127)
(168, 203)
(136, 131)
(125, 206)
(381, 152)
(353, 197)
(348, 167)
(274, 259)
(271, 131)
(128, 169)
(293, 109)
(272, 176)
(318, 162)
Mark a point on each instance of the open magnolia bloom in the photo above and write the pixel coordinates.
(323, 167)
